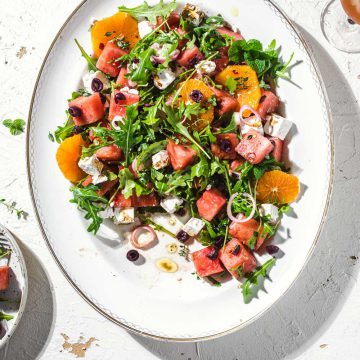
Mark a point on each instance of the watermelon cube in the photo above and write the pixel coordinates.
(121, 79)
(206, 262)
(223, 59)
(120, 99)
(249, 233)
(87, 109)
(190, 57)
(4, 277)
(269, 103)
(254, 147)
(278, 148)
(136, 201)
(107, 60)
(225, 102)
(225, 146)
(234, 166)
(210, 203)
(180, 155)
(105, 187)
(225, 31)
(236, 258)
(109, 153)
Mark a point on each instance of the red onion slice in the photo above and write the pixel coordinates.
(240, 218)
(255, 120)
(149, 238)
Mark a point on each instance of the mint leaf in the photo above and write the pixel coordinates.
(16, 126)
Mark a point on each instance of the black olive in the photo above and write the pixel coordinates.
(225, 145)
(196, 95)
(219, 243)
(272, 249)
(102, 98)
(132, 255)
(136, 61)
(195, 60)
(75, 111)
(181, 212)
(78, 130)
(182, 236)
(351, 21)
(262, 99)
(236, 250)
(97, 85)
(213, 254)
(119, 97)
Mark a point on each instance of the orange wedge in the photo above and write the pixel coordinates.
(68, 156)
(278, 187)
(120, 24)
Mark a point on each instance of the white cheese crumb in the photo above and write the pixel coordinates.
(124, 216)
(270, 209)
(277, 126)
(164, 78)
(193, 226)
(93, 167)
(160, 160)
(106, 213)
(88, 78)
(206, 67)
(144, 28)
(171, 203)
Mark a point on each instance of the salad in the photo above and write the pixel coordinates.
(178, 114)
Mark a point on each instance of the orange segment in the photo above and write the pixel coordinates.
(248, 90)
(278, 187)
(119, 24)
(68, 156)
(203, 119)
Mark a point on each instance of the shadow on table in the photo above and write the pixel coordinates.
(310, 306)
(36, 325)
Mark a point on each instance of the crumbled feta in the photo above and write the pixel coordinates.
(99, 179)
(116, 120)
(160, 160)
(244, 128)
(93, 167)
(277, 126)
(206, 67)
(124, 215)
(144, 28)
(193, 14)
(107, 213)
(171, 203)
(88, 78)
(193, 226)
(164, 78)
(270, 209)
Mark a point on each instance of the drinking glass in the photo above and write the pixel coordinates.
(340, 23)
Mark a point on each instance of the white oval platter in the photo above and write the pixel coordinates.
(141, 298)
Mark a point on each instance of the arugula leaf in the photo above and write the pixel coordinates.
(5, 317)
(16, 126)
(150, 12)
(91, 62)
(253, 278)
(144, 68)
(128, 129)
(64, 131)
(152, 149)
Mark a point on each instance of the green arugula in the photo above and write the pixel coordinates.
(150, 12)
(143, 70)
(149, 151)
(5, 317)
(64, 131)
(16, 126)
(91, 62)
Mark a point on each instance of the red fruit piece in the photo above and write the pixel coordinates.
(278, 148)
(190, 57)
(225, 146)
(236, 164)
(222, 60)
(180, 155)
(136, 201)
(107, 61)
(90, 109)
(109, 153)
(4, 277)
(210, 203)
(254, 147)
(235, 256)
(119, 103)
(225, 31)
(203, 263)
(225, 102)
(106, 186)
(121, 79)
(269, 103)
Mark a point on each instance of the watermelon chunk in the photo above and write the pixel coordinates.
(278, 148)
(180, 155)
(190, 57)
(136, 201)
(236, 258)
(107, 60)
(248, 232)
(225, 102)
(109, 153)
(236, 164)
(106, 186)
(222, 60)
(121, 79)
(225, 31)
(269, 103)
(90, 109)
(210, 203)
(204, 264)
(254, 147)
(225, 146)
(118, 106)
(4, 277)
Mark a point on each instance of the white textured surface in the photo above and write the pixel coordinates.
(321, 309)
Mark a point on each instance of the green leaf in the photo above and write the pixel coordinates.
(231, 84)
(201, 168)
(64, 131)
(152, 149)
(150, 12)
(131, 114)
(16, 126)
(144, 68)
(91, 62)
(5, 317)
(252, 280)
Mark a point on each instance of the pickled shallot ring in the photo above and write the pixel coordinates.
(257, 116)
(146, 242)
(240, 218)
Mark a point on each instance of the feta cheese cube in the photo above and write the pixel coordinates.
(164, 78)
(206, 67)
(93, 167)
(99, 179)
(171, 203)
(124, 215)
(144, 28)
(271, 210)
(88, 78)
(160, 160)
(107, 213)
(193, 226)
(277, 126)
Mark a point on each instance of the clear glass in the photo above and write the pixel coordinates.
(340, 24)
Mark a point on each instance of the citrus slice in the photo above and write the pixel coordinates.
(278, 187)
(197, 89)
(68, 156)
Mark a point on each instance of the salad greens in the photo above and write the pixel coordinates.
(16, 126)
